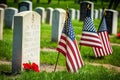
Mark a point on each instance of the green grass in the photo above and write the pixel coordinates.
(85, 73)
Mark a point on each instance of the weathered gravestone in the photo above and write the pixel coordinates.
(25, 6)
(83, 9)
(77, 14)
(72, 13)
(26, 40)
(4, 6)
(57, 23)
(95, 14)
(9, 16)
(112, 21)
(100, 13)
(1, 22)
(41, 11)
(49, 13)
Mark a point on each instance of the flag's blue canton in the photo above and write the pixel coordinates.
(69, 31)
(88, 25)
(103, 26)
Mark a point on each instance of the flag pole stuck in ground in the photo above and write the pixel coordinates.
(104, 37)
(68, 46)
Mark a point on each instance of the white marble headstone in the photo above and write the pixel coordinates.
(57, 23)
(112, 21)
(26, 40)
(49, 13)
(83, 9)
(1, 22)
(25, 6)
(41, 11)
(72, 13)
(9, 16)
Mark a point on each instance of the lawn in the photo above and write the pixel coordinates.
(87, 72)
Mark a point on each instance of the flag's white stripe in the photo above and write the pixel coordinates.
(109, 46)
(73, 58)
(106, 45)
(63, 41)
(69, 64)
(79, 54)
(103, 49)
(91, 43)
(89, 33)
(90, 38)
(75, 50)
(62, 48)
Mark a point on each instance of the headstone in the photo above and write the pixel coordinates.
(57, 23)
(49, 13)
(25, 6)
(95, 14)
(1, 22)
(72, 13)
(9, 14)
(112, 21)
(41, 11)
(26, 40)
(77, 14)
(4, 6)
(100, 13)
(83, 9)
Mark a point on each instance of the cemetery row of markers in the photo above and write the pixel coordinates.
(26, 26)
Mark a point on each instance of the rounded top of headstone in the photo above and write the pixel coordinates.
(49, 8)
(59, 9)
(11, 8)
(40, 8)
(26, 13)
(86, 2)
(1, 9)
(111, 10)
(71, 9)
(28, 1)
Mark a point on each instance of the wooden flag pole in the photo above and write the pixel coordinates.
(66, 41)
(56, 61)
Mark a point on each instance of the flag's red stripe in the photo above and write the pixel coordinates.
(60, 50)
(91, 40)
(74, 54)
(79, 56)
(92, 45)
(90, 35)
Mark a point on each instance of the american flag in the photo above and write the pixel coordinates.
(89, 34)
(104, 37)
(68, 47)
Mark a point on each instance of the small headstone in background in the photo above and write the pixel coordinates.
(9, 16)
(41, 11)
(26, 40)
(100, 13)
(77, 14)
(25, 6)
(72, 13)
(57, 23)
(95, 14)
(49, 13)
(83, 9)
(4, 6)
(112, 21)
(1, 22)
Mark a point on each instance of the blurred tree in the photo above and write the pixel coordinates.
(113, 4)
(16, 1)
(37, 1)
(3, 1)
(49, 1)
